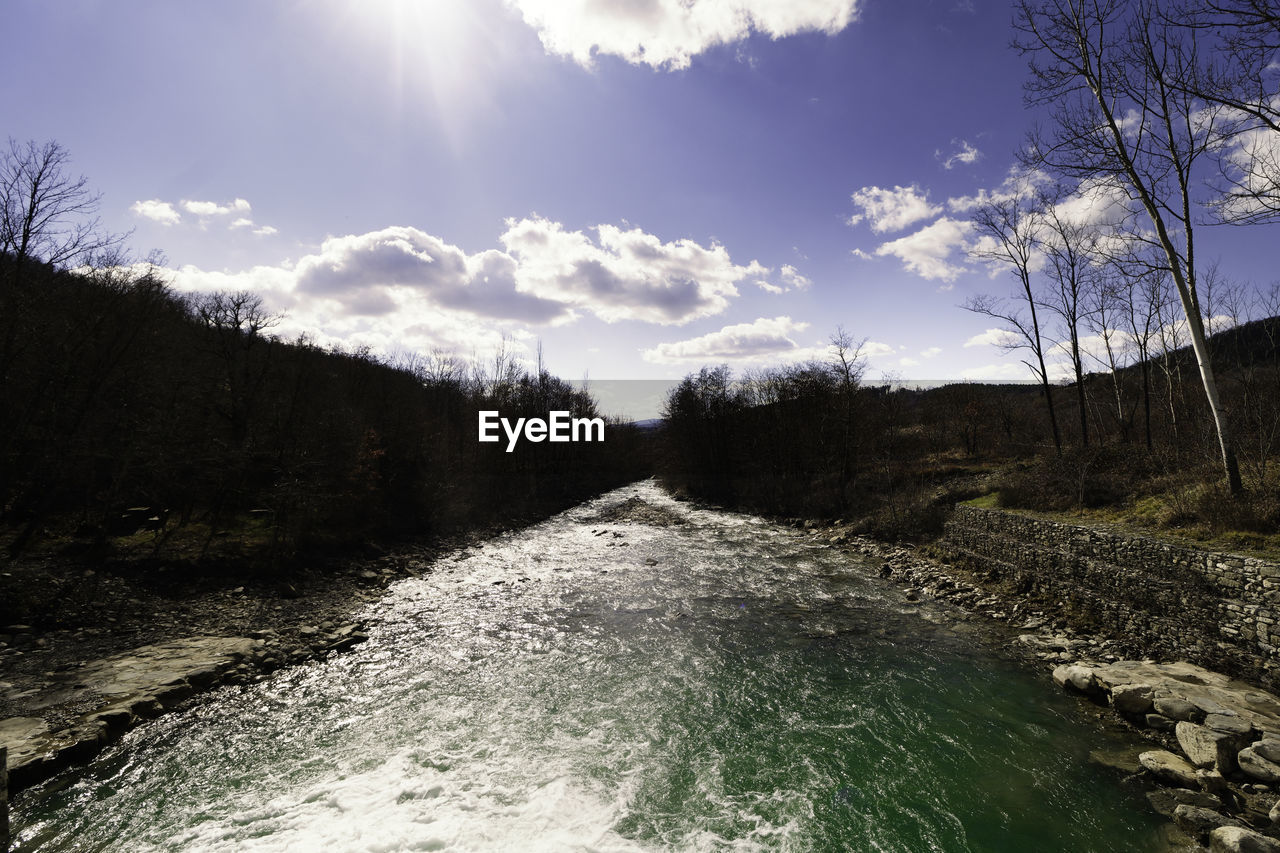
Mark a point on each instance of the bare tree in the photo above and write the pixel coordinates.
(45, 213)
(1069, 247)
(1011, 229)
(1108, 71)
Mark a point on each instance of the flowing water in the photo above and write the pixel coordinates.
(715, 685)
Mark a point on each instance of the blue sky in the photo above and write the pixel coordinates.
(643, 188)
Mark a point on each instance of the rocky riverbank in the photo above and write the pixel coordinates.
(1213, 766)
(131, 643)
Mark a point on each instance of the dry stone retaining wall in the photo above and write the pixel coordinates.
(1160, 599)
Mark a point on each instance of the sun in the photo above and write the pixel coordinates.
(442, 55)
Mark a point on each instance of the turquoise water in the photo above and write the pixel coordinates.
(717, 685)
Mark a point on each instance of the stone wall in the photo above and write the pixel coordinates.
(1161, 600)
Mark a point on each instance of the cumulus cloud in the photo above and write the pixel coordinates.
(930, 352)
(157, 211)
(166, 213)
(1018, 183)
(212, 208)
(892, 209)
(993, 338)
(963, 157)
(759, 338)
(928, 252)
(667, 34)
(624, 274)
(793, 278)
(401, 287)
(374, 273)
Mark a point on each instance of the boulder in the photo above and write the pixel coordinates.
(1268, 748)
(1177, 709)
(1257, 767)
(1237, 839)
(1165, 800)
(1199, 822)
(1160, 722)
(1076, 677)
(1132, 698)
(1206, 747)
(1231, 724)
(1169, 768)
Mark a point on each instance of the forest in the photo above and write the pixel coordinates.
(127, 410)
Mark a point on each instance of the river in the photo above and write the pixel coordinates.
(716, 684)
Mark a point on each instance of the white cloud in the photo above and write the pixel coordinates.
(770, 288)
(667, 34)
(265, 231)
(212, 208)
(965, 156)
(760, 338)
(858, 253)
(793, 279)
(401, 287)
(157, 211)
(1004, 370)
(930, 352)
(1019, 183)
(928, 252)
(892, 209)
(242, 222)
(993, 338)
(624, 274)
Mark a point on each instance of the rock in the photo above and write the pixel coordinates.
(1177, 709)
(1169, 768)
(1165, 800)
(1268, 748)
(1229, 723)
(1160, 723)
(1125, 760)
(1213, 782)
(1274, 814)
(1258, 767)
(1132, 698)
(1237, 839)
(1199, 822)
(1206, 747)
(1076, 677)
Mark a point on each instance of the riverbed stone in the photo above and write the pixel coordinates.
(1199, 822)
(1165, 800)
(1160, 722)
(1230, 723)
(1237, 839)
(1134, 699)
(1268, 748)
(1257, 767)
(1076, 677)
(1169, 768)
(1206, 747)
(1179, 710)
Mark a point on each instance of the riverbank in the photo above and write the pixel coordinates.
(1214, 763)
(136, 640)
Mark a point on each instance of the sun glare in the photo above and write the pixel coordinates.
(442, 55)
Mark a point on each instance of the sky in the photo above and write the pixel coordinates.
(642, 187)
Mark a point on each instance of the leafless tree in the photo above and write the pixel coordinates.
(46, 214)
(1070, 250)
(1011, 229)
(1108, 71)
